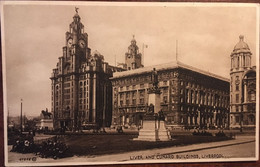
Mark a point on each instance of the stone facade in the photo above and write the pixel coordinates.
(81, 89)
(242, 87)
(189, 97)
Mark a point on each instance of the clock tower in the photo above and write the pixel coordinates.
(80, 83)
(133, 59)
(76, 49)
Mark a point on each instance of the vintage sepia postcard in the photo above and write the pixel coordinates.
(91, 83)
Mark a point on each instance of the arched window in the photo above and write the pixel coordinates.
(237, 62)
(251, 95)
(251, 119)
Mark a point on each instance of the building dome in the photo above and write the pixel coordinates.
(241, 47)
(241, 44)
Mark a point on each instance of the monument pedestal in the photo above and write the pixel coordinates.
(153, 130)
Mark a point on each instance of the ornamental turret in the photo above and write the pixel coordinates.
(133, 59)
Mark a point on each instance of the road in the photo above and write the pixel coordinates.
(242, 147)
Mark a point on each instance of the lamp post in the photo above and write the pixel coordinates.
(241, 121)
(104, 107)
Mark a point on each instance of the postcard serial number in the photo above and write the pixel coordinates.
(28, 159)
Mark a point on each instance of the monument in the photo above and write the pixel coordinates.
(153, 120)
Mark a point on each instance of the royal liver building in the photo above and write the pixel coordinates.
(81, 90)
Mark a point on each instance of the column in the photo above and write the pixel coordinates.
(245, 92)
(214, 118)
(94, 99)
(198, 118)
(123, 120)
(240, 59)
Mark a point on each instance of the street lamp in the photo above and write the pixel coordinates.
(104, 107)
(241, 121)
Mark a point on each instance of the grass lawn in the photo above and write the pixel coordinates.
(108, 144)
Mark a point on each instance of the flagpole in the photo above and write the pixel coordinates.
(115, 60)
(176, 51)
(8, 118)
(143, 47)
(142, 58)
(21, 117)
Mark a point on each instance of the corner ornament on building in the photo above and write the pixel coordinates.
(175, 74)
(77, 10)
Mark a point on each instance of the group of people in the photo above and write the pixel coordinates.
(47, 149)
(197, 132)
(52, 149)
(23, 146)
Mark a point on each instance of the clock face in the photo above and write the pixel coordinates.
(82, 43)
(70, 42)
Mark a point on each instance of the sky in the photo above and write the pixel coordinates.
(34, 35)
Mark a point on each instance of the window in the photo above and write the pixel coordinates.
(251, 118)
(237, 87)
(142, 101)
(251, 96)
(237, 109)
(237, 98)
(237, 119)
(165, 91)
(127, 95)
(134, 94)
(165, 99)
(133, 101)
(237, 62)
(141, 93)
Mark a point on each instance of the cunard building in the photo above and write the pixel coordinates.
(242, 87)
(81, 90)
(189, 96)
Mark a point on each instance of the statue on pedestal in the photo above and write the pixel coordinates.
(154, 81)
(154, 78)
